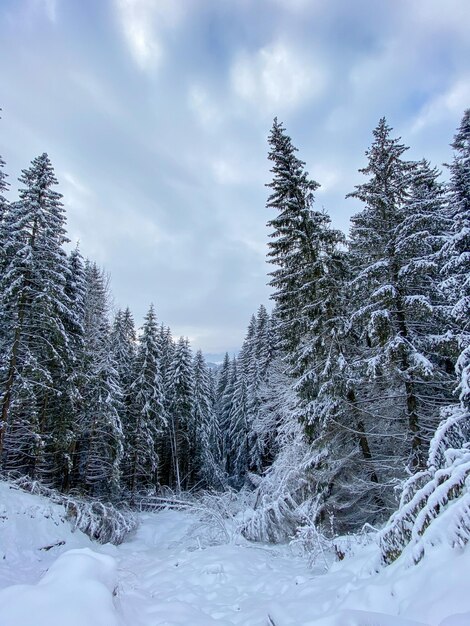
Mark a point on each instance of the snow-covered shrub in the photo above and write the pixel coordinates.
(102, 522)
(279, 506)
(313, 545)
(435, 503)
(320, 549)
(216, 513)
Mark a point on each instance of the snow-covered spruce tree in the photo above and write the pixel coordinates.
(64, 428)
(227, 404)
(123, 343)
(5, 254)
(147, 415)
(244, 446)
(124, 346)
(238, 450)
(167, 350)
(295, 246)
(284, 487)
(221, 409)
(309, 285)
(455, 252)
(35, 307)
(251, 368)
(165, 455)
(435, 502)
(309, 267)
(207, 463)
(100, 446)
(4, 235)
(271, 392)
(180, 423)
(263, 353)
(393, 306)
(217, 449)
(358, 489)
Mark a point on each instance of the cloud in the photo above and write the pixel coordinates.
(448, 104)
(277, 78)
(295, 6)
(97, 91)
(207, 112)
(143, 23)
(50, 8)
(164, 180)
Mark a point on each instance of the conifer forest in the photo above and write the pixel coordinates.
(355, 380)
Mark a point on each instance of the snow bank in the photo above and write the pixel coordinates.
(76, 591)
(33, 533)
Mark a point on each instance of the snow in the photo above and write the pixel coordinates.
(169, 573)
(76, 590)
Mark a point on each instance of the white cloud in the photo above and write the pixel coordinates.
(277, 78)
(98, 92)
(295, 6)
(226, 173)
(327, 176)
(75, 185)
(50, 7)
(448, 104)
(208, 114)
(143, 22)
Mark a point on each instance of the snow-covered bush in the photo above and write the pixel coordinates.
(217, 517)
(320, 549)
(279, 506)
(102, 522)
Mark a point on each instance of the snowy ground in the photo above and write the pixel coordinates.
(166, 575)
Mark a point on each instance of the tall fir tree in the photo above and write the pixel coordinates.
(4, 235)
(394, 356)
(123, 342)
(147, 417)
(99, 448)
(36, 307)
(64, 428)
(455, 252)
(181, 425)
(207, 463)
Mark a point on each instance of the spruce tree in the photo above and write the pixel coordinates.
(207, 463)
(293, 249)
(376, 300)
(35, 309)
(181, 426)
(4, 234)
(455, 253)
(123, 343)
(147, 415)
(99, 449)
(239, 431)
(64, 427)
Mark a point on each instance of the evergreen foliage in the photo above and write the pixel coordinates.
(147, 419)
(345, 389)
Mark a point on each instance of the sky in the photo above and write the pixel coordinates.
(156, 113)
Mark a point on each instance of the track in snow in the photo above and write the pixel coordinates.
(166, 578)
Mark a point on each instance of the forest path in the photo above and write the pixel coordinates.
(170, 574)
(166, 577)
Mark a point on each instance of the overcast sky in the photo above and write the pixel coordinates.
(155, 114)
